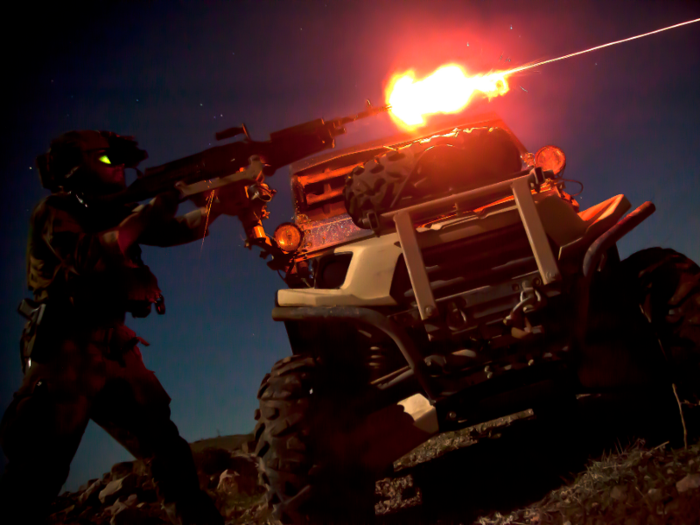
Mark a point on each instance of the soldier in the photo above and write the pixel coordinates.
(80, 361)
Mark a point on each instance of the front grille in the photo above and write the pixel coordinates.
(470, 263)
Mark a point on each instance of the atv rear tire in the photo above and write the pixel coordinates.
(310, 471)
(666, 285)
(457, 161)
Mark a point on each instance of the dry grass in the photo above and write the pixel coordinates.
(633, 487)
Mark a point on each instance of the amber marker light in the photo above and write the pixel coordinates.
(288, 237)
(550, 158)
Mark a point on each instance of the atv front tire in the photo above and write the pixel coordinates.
(310, 471)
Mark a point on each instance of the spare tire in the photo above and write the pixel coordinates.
(666, 286)
(430, 168)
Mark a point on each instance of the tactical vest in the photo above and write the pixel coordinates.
(68, 264)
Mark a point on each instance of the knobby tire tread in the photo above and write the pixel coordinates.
(298, 480)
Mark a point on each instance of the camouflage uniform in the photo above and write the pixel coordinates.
(85, 364)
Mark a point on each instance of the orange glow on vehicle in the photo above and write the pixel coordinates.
(447, 90)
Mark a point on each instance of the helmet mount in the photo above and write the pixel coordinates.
(88, 160)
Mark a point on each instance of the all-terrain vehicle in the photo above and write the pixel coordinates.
(444, 279)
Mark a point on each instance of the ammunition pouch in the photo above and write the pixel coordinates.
(117, 340)
(46, 321)
(34, 312)
(142, 292)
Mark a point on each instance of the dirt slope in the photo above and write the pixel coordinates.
(613, 461)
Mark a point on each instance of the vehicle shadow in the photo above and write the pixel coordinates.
(521, 463)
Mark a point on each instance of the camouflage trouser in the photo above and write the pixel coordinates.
(98, 376)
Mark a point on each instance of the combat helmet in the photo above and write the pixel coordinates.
(64, 167)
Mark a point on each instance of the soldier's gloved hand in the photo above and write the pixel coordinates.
(145, 220)
(228, 200)
(162, 208)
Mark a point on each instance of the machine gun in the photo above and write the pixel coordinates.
(241, 167)
(213, 166)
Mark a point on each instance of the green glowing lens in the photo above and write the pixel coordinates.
(105, 159)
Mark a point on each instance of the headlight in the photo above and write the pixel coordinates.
(550, 158)
(288, 237)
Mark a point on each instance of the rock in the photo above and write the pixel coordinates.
(148, 484)
(130, 516)
(672, 507)
(87, 514)
(228, 481)
(121, 470)
(691, 481)
(232, 513)
(241, 478)
(146, 494)
(247, 467)
(116, 508)
(213, 460)
(655, 495)
(87, 485)
(131, 501)
(90, 496)
(142, 468)
(117, 488)
(619, 493)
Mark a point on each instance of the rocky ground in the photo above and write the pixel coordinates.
(611, 462)
(126, 495)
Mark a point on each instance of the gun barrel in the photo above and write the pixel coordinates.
(232, 132)
(370, 111)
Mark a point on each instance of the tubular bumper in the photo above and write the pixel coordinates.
(603, 243)
(370, 317)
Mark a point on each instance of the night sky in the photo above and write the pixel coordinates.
(173, 73)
